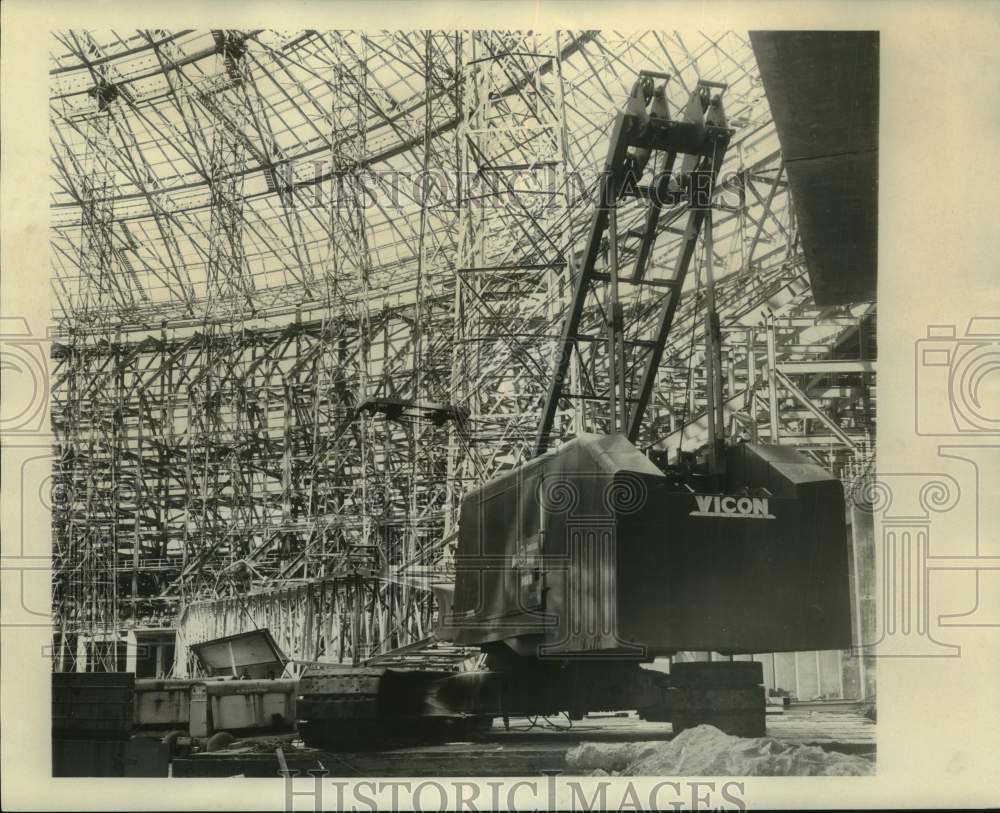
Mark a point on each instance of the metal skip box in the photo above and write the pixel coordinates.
(204, 707)
(163, 703)
(242, 704)
(242, 690)
(248, 654)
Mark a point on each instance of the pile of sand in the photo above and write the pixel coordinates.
(609, 756)
(706, 751)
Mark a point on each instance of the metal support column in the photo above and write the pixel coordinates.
(772, 381)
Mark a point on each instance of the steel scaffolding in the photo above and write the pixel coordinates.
(311, 286)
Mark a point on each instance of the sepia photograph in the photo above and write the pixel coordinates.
(484, 415)
(419, 393)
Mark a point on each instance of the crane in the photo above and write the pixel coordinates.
(577, 569)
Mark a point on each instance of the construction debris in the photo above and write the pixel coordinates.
(706, 751)
(608, 757)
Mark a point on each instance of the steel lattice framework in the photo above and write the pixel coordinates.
(310, 291)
